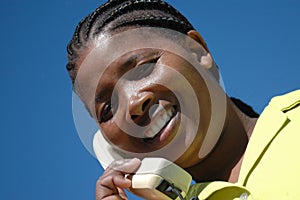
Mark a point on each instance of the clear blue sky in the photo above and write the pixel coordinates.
(255, 43)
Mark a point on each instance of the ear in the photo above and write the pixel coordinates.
(197, 37)
(207, 60)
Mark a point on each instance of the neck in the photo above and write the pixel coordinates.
(224, 162)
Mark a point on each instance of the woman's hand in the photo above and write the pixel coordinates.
(111, 185)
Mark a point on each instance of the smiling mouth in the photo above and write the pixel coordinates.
(157, 127)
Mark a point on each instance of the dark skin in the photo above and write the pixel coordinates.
(222, 163)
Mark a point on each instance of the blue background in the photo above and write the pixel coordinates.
(255, 43)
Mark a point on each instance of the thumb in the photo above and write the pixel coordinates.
(126, 166)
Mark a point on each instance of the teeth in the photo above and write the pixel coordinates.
(159, 123)
(154, 130)
(169, 113)
(164, 118)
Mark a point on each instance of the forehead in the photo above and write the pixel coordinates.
(107, 49)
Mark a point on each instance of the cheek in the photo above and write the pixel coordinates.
(114, 134)
(120, 139)
(188, 86)
(195, 103)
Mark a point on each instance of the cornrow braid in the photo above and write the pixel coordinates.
(114, 15)
(137, 5)
(117, 14)
(156, 21)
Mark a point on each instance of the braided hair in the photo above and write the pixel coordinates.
(114, 15)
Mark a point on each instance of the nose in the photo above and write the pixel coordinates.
(139, 105)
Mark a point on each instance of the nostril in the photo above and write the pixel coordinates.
(133, 117)
(145, 104)
(143, 110)
(139, 105)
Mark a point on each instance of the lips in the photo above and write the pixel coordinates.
(160, 120)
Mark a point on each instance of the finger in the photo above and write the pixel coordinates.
(126, 166)
(115, 174)
(111, 183)
(115, 180)
(108, 193)
(111, 197)
(122, 193)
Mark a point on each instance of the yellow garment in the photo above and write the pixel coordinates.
(271, 165)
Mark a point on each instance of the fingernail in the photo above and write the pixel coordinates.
(135, 160)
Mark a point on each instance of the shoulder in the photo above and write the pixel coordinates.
(286, 102)
(273, 148)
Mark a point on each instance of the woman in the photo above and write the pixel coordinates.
(147, 94)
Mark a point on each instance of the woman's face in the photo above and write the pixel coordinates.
(148, 99)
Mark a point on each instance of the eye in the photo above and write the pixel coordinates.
(106, 113)
(142, 70)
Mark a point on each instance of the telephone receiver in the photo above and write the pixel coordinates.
(160, 179)
(156, 178)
